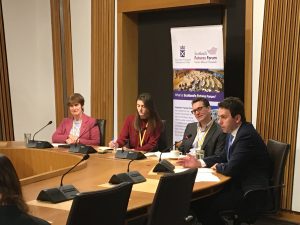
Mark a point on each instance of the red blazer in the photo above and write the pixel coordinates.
(91, 137)
(129, 134)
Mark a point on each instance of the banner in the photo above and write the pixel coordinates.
(198, 71)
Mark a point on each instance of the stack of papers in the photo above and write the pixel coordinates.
(164, 155)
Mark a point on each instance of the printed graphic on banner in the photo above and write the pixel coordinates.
(198, 71)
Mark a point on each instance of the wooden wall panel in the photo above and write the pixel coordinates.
(62, 55)
(248, 59)
(6, 120)
(102, 80)
(278, 100)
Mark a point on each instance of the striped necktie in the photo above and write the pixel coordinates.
(230, 140)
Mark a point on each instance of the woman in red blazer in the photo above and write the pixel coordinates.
(141, 131)
(79, 128)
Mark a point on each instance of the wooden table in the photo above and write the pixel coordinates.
(40, 169)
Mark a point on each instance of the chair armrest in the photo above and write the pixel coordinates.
(251, 191)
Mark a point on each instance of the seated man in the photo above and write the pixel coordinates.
(206, 134)
(245, 159)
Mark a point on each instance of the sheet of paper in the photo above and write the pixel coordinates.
(62, 205)
(164, 155)
(203, 174)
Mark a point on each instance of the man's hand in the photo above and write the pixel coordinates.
(189, 161)
(214, 167)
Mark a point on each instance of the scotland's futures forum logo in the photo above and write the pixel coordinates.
(182, 51)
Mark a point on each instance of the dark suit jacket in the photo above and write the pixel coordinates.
(11, 215)
(213, 143)
(249, 165)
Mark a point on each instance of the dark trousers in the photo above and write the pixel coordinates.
(208, 209)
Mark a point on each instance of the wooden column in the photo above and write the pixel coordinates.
(279, 85)
(6, 120)
(62, 55)
(102, 80)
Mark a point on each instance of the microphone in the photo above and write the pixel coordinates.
(132, 155)
(81, 148)
(39, 144)
(50, 122)
(168, 148)
(63, 192)
(131, 176)
(85, 157)
(164, 165)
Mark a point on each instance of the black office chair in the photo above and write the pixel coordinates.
(172, 199)
(259, 202)
(162, 142)
(101, 124)
(103, 207)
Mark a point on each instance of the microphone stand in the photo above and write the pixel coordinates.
(164, 165)
(63, 192)
(39, 144)
(128, 154)
(81, 148)
(131, 176)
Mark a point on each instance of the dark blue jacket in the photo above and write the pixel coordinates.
(249, 165)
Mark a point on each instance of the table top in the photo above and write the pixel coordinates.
(94, 176)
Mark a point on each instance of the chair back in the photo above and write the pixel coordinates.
(103, 207)
(101, 124)
(162, 142)
(278, 152)
(172, 198)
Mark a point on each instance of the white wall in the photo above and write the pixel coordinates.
(296, 187)
(30, 62)
(29, 54)
(258, 15)
(81, 47)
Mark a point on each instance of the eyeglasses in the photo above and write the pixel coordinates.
(199, 109)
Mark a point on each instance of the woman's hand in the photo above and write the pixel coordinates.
(72, 139)
(113, 144)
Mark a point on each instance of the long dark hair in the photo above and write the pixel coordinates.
(153, 119)
(10, 187)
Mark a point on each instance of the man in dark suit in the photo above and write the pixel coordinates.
(206, 134)
(245, 159)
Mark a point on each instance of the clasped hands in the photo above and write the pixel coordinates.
(72, 139)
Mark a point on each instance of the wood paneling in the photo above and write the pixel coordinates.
(6, 120)
(33, 165)
(279, 85)
(62, 55)
(102, 80)
(146, 5)
(248, 59)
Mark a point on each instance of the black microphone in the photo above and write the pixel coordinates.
(39, 144)
(164, 165)
(126, 144)
(128, 154)
(170, 147)
(131, 176)
(50, 122)
(85, 157)
(63, 192)
(81, 148)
